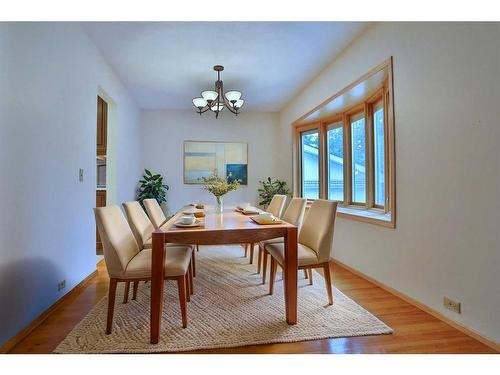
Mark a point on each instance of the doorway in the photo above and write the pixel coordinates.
(101, 160)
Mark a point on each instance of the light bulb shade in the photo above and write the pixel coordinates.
(239, 103)
(217, 107)
(233, 95)
(209, 95)
(199, 102)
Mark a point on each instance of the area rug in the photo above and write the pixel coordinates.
(230, 308)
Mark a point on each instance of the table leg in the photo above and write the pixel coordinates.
(290, 270)
(157, 270)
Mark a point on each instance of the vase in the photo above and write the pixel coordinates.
(219, 207)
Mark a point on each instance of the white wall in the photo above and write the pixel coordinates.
(163, 134)
(50, 75)
(446, 90)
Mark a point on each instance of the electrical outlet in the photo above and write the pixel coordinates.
(61, 285)
(452, 305)
(80, 175)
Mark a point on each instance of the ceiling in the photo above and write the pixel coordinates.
(166, 64)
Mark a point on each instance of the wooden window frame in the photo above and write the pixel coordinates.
(369, 211)
(327, 126)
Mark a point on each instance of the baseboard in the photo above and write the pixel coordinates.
(469, 332)
(5, 348)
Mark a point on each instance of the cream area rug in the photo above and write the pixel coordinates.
(230, 308)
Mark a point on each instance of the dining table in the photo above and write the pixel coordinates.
(229, 227)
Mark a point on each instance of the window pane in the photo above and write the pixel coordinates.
(358, 160)
(378, 145)
(310, 165)
(335, 164)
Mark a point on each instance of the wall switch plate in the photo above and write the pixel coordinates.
(452, 305)
(80, 175)
(61, 285)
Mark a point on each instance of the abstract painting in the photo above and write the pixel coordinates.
(225, 159)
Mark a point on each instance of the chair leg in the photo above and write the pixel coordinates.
(190, 272)
(125, 293)
(305, 274)
(193, 260)
(181, 285)
(111, 305)
(134, 293)
(252, 245)
(328, 282)
(197, 248)
(264, 266)
(272, 275)
(259, 259)
(188, 292)
(310, 272)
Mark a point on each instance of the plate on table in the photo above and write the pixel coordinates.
(197, 223)
(266, 221)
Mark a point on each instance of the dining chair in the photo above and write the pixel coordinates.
(275, 208)
(156, 215)
(314, 244)
(126, 263)
(143, 230)
(294, 215)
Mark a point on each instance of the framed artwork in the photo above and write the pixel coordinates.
(225, 159)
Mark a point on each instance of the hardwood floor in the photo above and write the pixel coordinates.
(415, 331)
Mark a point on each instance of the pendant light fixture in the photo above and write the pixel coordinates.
(216, 100)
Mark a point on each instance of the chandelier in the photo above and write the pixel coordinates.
(217, 100)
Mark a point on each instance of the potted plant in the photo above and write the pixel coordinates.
(270, 188)
(219, 187)
(152, 186)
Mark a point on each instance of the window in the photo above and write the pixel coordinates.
(335, 162)
(310, 164)
(379, 155)
(358, 164)
(346, 149)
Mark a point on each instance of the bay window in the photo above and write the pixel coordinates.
(346, 150)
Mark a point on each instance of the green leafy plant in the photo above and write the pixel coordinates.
(270, 188)
(152, 186)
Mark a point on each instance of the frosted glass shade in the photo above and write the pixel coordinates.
(219, 105)
(199, 102)
(209, 95)
(239, 103)
(233, 95)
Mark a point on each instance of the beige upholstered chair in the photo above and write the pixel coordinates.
(157, 217)
(314, 243)
(155, 212)
(140, 224)
(143, 228)
(125, 263)
(275, 207)
(294, 215)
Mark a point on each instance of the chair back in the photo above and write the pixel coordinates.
(139, 222)
(294, 213)
(317, 229)
(277, 204)
(155, 212)
(118, 242)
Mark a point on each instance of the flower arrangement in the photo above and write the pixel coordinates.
(219, 186)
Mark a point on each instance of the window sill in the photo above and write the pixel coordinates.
(371, 216)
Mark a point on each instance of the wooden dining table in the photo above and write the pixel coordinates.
(229, 227)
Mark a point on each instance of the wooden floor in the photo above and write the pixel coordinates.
(415, 331)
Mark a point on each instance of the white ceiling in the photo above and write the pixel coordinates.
(166, 64)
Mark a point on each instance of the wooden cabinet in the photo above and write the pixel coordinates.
(102, 126)
(99, 202)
